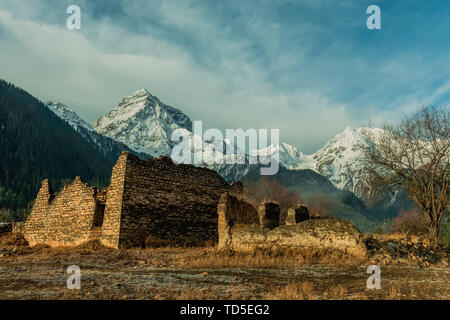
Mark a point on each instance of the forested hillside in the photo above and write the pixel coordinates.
(36, 144)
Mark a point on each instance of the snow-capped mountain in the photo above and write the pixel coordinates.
(109, 148)
(289, 156)
(143, 123)
(341, 161)
(68, 115)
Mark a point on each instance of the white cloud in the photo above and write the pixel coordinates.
(93, 69)
(54, 63)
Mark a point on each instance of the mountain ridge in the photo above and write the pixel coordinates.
(89, 157)
(109, 148)
(36, 144)
(145, 124)
(338, 160)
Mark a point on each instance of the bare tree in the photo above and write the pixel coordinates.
(415, 156)
(410, 221)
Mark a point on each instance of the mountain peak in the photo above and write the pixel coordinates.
(347, 133)
(348, 128)
(140, 91)
(68, 115)
(144, 123)
(293, 151)
(59, 107)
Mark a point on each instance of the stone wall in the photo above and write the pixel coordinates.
(160, 200)
(233, 212)
(65, 219)
(322, 234)
(299, 232)
(146, 200)
(269, 214)
(297, 214)
(113, 208)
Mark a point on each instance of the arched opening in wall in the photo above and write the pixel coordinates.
(301, 214)
(98, 215)
(270, 215)
(100, 204)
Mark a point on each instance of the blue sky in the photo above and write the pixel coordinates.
(309, 68)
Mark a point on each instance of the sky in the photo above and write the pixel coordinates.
(308, 68)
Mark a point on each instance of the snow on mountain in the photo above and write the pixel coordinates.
(68, 115)
(109, 148)
(341, 161)
(231, 165)
(143, 123)
(289, 156)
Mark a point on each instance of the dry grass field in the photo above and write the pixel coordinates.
(205, 273)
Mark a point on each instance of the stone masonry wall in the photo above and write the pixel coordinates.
(233, 212)
(113, 209)
(319, 234)
(154, 199)
(298, 233)
(161, 200)
(269, 214)
(66, 219)
(297, 214)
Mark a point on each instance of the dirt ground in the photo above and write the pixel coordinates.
(202, 273)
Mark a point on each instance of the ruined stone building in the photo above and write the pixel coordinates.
(156, 200)
(72, 217)
(243, 229)
(146, 200)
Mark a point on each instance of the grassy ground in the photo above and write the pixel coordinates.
(204, 273)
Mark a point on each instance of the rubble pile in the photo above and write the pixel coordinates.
(405, 249)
